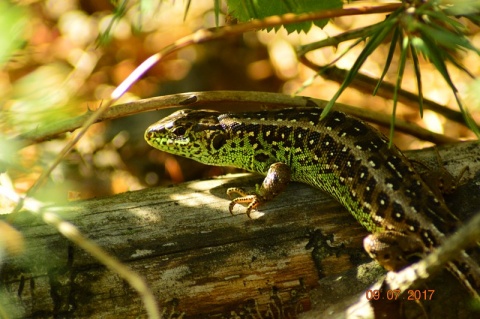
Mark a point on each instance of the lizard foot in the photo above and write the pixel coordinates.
(274, 183)
(252, 200)
(393, 250)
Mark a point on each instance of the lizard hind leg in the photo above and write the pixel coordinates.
(393, 250)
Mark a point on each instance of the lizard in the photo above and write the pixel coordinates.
(338, 154)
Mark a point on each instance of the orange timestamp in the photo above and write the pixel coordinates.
(394, 294)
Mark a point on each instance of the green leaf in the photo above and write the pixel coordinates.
(325, 68)
(398, 85)
(357, 34)
(418, 76)
(245, 10)
(447, 38)
(458, 64)
(440, 16)
(187, 8)
(217, 12)
(431, 51)
(383, 31)
(120, 10)
(391, 51)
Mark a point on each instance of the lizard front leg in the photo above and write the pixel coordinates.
(277, 178)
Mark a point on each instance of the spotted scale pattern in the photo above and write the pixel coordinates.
(338, 154)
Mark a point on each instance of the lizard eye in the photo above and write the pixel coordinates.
(218, 141)
(179, 131)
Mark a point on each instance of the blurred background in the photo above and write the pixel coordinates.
(61, 58)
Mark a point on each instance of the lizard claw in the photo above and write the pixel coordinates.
(251, 199)
(274, 183)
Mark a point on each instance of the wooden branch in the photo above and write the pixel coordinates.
(304, 254)
(227, 101)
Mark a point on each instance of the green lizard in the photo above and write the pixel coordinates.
(338, 154)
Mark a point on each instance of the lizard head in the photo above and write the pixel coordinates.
(196, 134)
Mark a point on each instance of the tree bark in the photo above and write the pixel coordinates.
(304, 256)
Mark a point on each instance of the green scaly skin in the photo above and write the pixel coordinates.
(338, 154)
